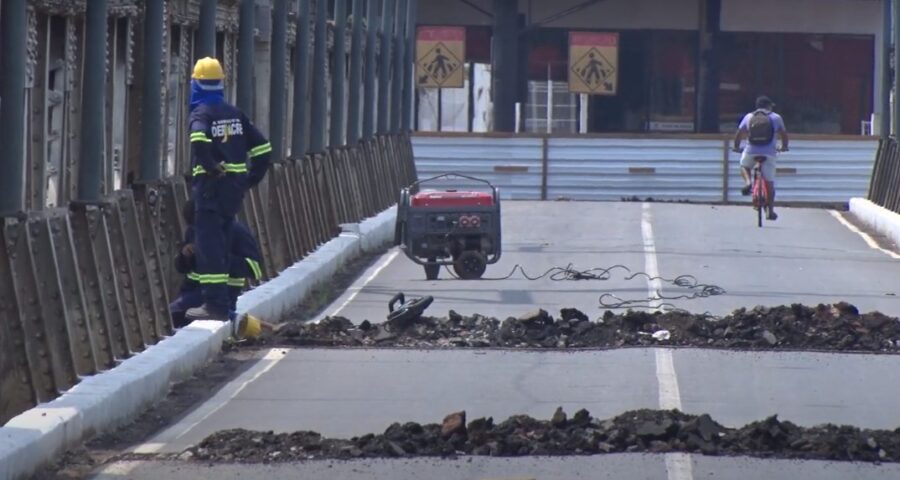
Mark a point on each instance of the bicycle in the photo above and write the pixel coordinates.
(759, 192)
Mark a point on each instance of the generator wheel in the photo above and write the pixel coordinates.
(432, 270)
(470, 265)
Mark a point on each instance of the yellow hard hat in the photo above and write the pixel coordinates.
(250, 327)
(208, 68)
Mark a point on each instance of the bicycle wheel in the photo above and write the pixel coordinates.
(759, 188)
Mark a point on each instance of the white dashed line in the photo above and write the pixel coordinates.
(654, 287)
(357, 287)
(669, 396)
(678, 465)
(213, 405)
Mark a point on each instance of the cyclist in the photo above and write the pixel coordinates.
(760, 127)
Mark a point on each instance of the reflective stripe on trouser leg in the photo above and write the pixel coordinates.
(211, 230)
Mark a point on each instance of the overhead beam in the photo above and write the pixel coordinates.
(477, 8)
(564, 13)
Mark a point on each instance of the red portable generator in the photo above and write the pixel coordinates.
(449, 227)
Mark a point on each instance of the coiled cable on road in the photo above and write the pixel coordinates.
(610, 301)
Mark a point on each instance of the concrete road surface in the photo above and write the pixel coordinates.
(598, 467)
(807, 256)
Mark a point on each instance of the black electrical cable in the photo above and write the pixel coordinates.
(611, 301)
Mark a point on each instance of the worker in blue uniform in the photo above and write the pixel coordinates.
(245, 261)
(228, 156)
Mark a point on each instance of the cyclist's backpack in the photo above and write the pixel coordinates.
(762, 131)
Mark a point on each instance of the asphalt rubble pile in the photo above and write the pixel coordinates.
(838, 327)
(645, 431)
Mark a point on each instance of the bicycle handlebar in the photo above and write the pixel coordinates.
(780, 150)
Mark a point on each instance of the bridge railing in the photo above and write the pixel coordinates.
(86, 286)
(884, 188)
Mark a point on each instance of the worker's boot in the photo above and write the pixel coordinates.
(207, 312)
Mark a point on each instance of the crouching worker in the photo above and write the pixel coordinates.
(244, 262)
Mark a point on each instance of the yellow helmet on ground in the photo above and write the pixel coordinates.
(208, 68)
(249, 327)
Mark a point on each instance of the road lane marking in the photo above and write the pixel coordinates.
(865, 236)
(213, 405)
(678, 465)
(358, 287)
(651, 267)
(669, 395)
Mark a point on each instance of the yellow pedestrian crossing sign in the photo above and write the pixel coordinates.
(593, 63)
(440, 57)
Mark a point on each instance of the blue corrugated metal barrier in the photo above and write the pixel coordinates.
(693, 168)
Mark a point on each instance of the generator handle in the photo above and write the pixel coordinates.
(453, 174)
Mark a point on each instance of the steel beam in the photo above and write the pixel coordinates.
(409, 90)
(384, 79)
(885, 124)
(338, 74)
(707, 115)
(300, 126)
(896, 31)
(151, 99)
(319, 107)
(206, 34)
(90, 161)
(246, 46)
(277, 79)
(13, 36)
(505, 53)
(369, 99)
(399, 71)
(355, 74)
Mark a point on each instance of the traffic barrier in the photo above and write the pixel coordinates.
(884, 187)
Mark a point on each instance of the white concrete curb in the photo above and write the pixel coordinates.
(110, 399)
(877, 217)
(284, 293)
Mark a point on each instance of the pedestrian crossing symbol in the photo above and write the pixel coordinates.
(595, 71)
(593, 63)
(440, 57)
(438, 66)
